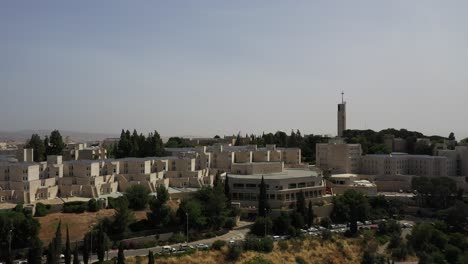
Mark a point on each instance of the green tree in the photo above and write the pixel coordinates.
(238, 140)
(351, 207)
(86, 248)
(195, 214)
(93, 206)
(38, 147)
(261, 225)
(67, 249)
(120, 254)
(281, 224)
(58, 243)
(451, 136)
(123, 216)
(227, 191)
(263, 205)
(102, 244)
(301, 204)
(160, 212)
(137, 196)
(310, 214)
(35, 252)
(150, 257)
(56, 144)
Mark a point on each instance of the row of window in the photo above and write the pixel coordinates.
(278, 197)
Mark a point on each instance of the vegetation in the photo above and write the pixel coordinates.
(76, 207)
(52, 145)
(177, 142)
(120, 255)
(350, 207)
(263, 206)
(42, 209)
(67, 248)
(137, 145)
(137, 196)
(55, 247)
(435, 192)
(35, 252)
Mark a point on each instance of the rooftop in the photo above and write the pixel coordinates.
(285, 174)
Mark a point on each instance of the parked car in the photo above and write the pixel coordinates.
(202, 246)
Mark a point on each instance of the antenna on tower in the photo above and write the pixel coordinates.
(342, 97)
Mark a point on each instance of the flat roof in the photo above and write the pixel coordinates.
(285, 174)
(181, 190)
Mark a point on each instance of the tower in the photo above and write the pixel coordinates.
(341, 116)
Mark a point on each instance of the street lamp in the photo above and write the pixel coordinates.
(186, 214)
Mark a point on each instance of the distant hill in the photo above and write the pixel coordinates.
(23, 135)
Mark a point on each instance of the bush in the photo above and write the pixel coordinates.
(300, 260)
(218, 244)
(326, 235)
(177, 238)
(283, 245)
(137, 196)
(259, 260)
(230, 223)
(259, 245)
(75, 207)
(258, 228)
(93, 205)
(234, 252)
(42, 210)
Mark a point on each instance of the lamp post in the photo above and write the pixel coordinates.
(186, 214)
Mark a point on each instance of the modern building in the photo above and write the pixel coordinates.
(283, 187)
(339, 183)
(338, 157)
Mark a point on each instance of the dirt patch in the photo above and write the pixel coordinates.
(79, 224)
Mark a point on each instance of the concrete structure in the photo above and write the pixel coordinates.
(80, 151)
(341, 116)
(282, 187)
(339, 183)
(338, 157)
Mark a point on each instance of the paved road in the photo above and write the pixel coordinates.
(238, 233)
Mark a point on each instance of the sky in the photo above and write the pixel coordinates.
(203, 68)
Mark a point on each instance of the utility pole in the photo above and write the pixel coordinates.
(186, 214)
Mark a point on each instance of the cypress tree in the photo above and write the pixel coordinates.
(150, 257)
(227, 191)
(300, 204)
(263, 206)
(57, 243)
(101, 244)
(86, 249)
(310, 214)
(35, 252)
(51, 255)
(67, 249)
(120, 255)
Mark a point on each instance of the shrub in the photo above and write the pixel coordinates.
(137, 196)
(234, 252)
(177, 238)
(326, 235)
(93, 205)
(218, 244)
(259, 260)
(75, 207)
(283, 245)
(230, 223)
(259, 245)
(42, 210)
(300, 260)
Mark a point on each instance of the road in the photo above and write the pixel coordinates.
(238, 233)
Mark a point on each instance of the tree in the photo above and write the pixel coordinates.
(227, 191)
(137, 196)
(38, 147)
(263, 206)
(238, 140)
(150, 257)
(76, 258)
(86, 249)
(102, 244)
(301, 204)
(464, 141)
(261, 225)
(67, 249)
(35, 252)
(281, 224)
(58, 243)
(310, 214)
(350, 207)
(194, 210)
(93, 206)
(120, 254)
(56, 144)
(160, 212)
(122, 217)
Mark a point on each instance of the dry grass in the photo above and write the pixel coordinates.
(312, 251)
(79, 224)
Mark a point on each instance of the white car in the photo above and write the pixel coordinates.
(202, 246)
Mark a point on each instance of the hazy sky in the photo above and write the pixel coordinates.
(218, 67)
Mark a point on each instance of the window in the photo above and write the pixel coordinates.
(251, 186)
(238, 186)
(292, 186)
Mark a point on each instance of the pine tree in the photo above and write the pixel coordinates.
(263, 206)
(38, 147)
(35, 252)
(57, 244)
(67, 249)
(150, 257)
(310, 215)
(86, 249)
(120, 255)
(56, 143)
